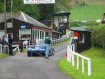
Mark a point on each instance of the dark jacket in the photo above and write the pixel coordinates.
(10, 40)
(47, 41)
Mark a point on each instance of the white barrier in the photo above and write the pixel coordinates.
(16, 48)
(3, 48)
(71, 56)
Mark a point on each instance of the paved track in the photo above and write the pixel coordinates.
(23, 67)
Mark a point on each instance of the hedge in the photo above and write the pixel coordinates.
(98, 36)
(90, 24)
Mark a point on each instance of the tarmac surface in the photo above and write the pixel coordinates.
(22, 67)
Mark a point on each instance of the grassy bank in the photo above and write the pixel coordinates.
(91, 12)
(62, 43)
(97, 56)
(3, 56)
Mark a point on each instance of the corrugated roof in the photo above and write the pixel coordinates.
(22, 17)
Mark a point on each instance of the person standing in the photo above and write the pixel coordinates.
(10, 39)
(5, 43)
(4, 40)
(0, 41)
(47, 42)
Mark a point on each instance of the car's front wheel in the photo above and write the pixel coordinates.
(28, 54)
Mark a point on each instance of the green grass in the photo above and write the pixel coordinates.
(24, 50)
(3, 56)
(93, 12)
(97, 56)
(62, 43)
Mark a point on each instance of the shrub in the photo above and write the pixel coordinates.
(98, 36)
(76, 24)
(89, 24)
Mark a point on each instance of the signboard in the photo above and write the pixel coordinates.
(23, 26)
(39, 1)
(9, 25)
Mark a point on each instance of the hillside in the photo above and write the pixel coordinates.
(93, 10)
(78, 2)
(90, 12)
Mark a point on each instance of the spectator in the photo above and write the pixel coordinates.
(0, 41)
(25, 43)
(47, 42)
(5, 40)
(10, 39)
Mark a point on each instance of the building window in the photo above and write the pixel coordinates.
(37, 34)
(41, 34)
(56, 21)
(9, 25)
(64, 19)
(81, 38)
(24, 34)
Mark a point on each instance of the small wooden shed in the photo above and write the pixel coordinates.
(82, 38)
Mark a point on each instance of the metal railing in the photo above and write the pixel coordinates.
(55, 41)
(16, 49)
(71, 58)
(41, 41)
(1, 48)
(5, 48)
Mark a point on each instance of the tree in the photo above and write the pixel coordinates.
(18, 5)
(41, 12)
(31, 10)
(1, 7)
(46, 11)
(62, 5)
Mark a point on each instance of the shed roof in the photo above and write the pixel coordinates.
(79, 29)
(22, 17)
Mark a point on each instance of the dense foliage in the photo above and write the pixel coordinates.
(88, 24)
(62, 5)
(35, 11)
(1, 6)
(98, 36)
(46, 11)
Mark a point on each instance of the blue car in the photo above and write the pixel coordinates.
(38, 51)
